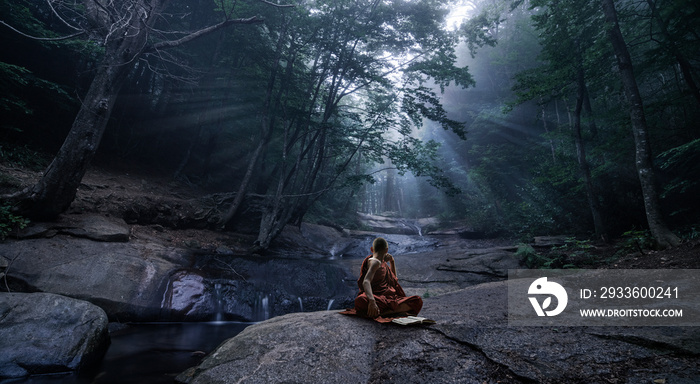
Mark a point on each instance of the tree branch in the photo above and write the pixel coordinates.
(42, 38)
(276, 5)
(61, 18)
(203, 32)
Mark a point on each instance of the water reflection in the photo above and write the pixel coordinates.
(152, 353)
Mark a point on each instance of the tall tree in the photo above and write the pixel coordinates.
(334, 88)
(567, 36)
(645, 170)
(125, 30)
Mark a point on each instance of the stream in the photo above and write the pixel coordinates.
(148, 353)
(286, 281)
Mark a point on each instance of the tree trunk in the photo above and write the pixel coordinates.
(123, 30)
(661, 233)
(582, 161)
(546, 130)
(266, 128)
(57, 188)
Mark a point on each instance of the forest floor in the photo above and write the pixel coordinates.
(112, 191)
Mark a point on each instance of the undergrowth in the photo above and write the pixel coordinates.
(574, 253)
(22, 156)
(10, 222)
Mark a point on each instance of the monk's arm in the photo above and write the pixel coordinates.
(372, 308)
(393, 265)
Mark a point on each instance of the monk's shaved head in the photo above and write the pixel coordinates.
(380, 245)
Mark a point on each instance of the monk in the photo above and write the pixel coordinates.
(380, 292)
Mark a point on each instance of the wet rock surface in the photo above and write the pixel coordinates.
(391, 225)
(464, 291)
(429, 266)
(46, 333)
(126, 279)
(147, 279)
(471, 343)
(292, 348)
(313, 268)
(90, 226)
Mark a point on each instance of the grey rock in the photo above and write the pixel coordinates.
(495, 262)
(471, 343)
(96, 227)
(47, 333)
(550, 241)
(318, 347)
(91, 226)
(127, 280)
(147, 281)
(389, 224)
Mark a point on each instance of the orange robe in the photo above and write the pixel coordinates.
(387, 292)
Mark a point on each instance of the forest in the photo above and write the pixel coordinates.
(517, 117)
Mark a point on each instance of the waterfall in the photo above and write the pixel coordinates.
(301, 305)
(330, 304)
(261, 308)
(219, 317)
(266, 307)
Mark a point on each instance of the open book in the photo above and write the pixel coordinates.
(410, 320)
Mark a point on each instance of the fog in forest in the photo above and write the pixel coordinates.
(511, 118)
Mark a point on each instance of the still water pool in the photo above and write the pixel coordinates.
(151, 353)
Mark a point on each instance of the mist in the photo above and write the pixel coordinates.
(466, 113)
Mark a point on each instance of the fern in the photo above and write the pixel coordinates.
(10, 222)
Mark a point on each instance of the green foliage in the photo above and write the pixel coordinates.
(529, 256)
(534, 260)
(23, 157)
(10, 222)
(636, 241)
(15, 79)
(574, 247)
(477, 30)
(574, 253)
(684, 163)
(690, 233)
(349, 87)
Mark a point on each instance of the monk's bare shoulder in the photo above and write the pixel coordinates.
(373, 262)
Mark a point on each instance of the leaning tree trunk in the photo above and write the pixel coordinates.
(661, 233)
(123, 28)
(58, 186)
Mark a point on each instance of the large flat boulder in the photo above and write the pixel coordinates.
(428, 266)
(127, 280)
(471, 343)
(47, 333)
(315, 347)
(144, 280)
(90, 226)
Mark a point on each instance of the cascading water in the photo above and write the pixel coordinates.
(330, 304)
(301, 305)
(261, 308)
(218, 300)
(266, 307)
